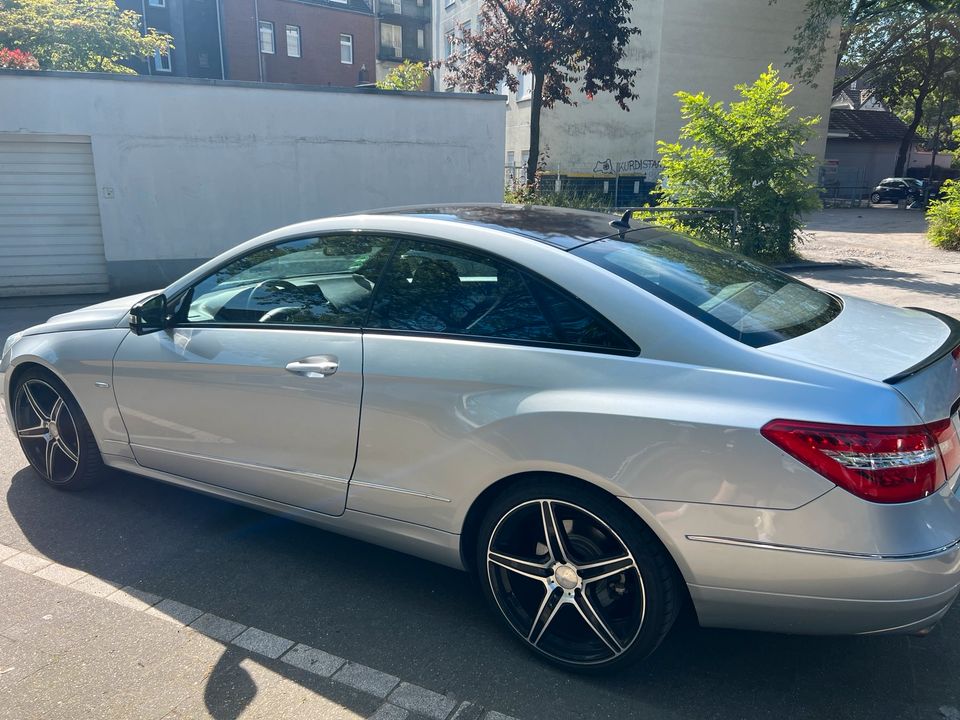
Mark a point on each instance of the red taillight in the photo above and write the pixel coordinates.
(956, 352)
(881, 464)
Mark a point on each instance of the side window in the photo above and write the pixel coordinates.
(325, 281)
(440, 289)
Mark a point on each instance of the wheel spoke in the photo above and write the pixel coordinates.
(526, 568)
(62, 446)
(605, 568)
(48, 457)
(545, 614)
(552, 532)
(33, 433)
(596, 623)
(56, 410)
(34, 405)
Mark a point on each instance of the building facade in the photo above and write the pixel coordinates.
(196, 30)
(307, 42)
(403, 32)
(684, 45)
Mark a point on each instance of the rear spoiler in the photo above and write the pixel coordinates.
(952, 341)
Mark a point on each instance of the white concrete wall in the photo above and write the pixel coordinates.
(684, 45)
(195, 167)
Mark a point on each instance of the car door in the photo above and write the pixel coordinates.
(256, 385)
(459, 344)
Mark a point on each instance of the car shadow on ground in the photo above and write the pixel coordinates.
(428, 625)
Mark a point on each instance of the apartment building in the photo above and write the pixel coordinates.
(684, 45)
(308, 42)
(403, 33)
(195, 27)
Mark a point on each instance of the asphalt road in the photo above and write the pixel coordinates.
(420, 622)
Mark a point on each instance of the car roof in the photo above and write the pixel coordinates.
(563, 228)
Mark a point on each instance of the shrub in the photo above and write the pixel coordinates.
(17, 59)
(944, 217)
(747, 155)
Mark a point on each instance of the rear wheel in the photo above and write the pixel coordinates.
(53, 433)
(576, 576)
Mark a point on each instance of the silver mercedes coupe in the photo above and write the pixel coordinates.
(601, 419)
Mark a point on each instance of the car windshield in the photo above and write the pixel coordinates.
(741, 298)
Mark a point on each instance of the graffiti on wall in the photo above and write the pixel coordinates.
(625, 167)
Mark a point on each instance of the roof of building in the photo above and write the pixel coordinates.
(866, 125)
(561, 227)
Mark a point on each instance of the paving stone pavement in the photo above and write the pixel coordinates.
(52, 668)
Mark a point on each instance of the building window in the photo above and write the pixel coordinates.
(524, 86)
(346, 49)
(448, 39)
(293, 41)
(203, 60)
(157, 3)
(161, 61)
(267, 44)
(420, 38)
(449, 3)
(391, 6)
(419, 3)
(466, 29)
(391, 40)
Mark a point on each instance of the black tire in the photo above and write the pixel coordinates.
(46, 414)
(633, 606)
(911, 199)
(875, 198)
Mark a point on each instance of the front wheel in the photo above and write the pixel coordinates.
(53, 433)
(875, 198)
(576, 575)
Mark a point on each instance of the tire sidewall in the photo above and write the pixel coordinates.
(647, 552)
(82, 476)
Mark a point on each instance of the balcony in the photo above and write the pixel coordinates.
(414, 54)
(408, 9)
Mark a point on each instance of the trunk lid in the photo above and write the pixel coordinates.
(907, 348)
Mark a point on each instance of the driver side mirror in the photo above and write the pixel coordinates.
(149, 316)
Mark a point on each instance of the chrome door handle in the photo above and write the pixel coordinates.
(315, 366)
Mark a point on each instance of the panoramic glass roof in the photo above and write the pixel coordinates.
(561, 227)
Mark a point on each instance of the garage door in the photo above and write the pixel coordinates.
(50, 238)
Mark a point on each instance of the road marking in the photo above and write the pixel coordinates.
(400, 698)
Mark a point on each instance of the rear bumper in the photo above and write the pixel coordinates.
(806, 615)
(787, 586)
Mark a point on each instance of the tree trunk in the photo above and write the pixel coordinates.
(536, 104)
(907, 140)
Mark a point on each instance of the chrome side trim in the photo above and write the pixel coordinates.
(817, 551)
(237, 463)
(404, 491)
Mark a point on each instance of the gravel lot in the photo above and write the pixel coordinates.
(898, 264)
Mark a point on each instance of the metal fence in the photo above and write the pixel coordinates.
(583, 187)
(842, 186)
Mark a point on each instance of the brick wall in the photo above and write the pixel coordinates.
(320, 30)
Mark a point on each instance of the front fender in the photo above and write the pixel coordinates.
(83, 361)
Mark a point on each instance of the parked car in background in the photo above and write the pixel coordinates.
(601, 419)
(893, 190)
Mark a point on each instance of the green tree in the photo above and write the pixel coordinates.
(406, 76)
(562, 45)
(869, 34)
(84, 35)
(748, 156)
(944, 217)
